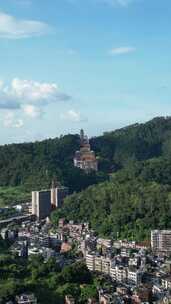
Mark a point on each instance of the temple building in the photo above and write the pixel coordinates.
(85, 158)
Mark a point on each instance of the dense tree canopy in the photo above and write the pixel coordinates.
(134, 201)
(35, 164)
(47, 280)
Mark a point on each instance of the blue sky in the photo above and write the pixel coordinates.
(92, 64)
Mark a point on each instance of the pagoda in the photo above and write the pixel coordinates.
(85, 158)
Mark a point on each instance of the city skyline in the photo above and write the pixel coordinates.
(96, 64)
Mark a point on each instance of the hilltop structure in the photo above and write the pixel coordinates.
(85, 158)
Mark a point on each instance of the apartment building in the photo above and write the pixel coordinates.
(104, 242)
(118, 273)
(161, 240)
(58, 194)
(166, 282)
(134, 276)
(98, 263)
(41, 203)
(90, 261)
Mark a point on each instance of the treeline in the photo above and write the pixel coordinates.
(134, 143)
(35, 164)
(134, 201)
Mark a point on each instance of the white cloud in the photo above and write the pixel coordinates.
(10, 121)
(73, 116)
(32, 111)
(13, 28)
(28, 98)
(27, 92)
(122, 50)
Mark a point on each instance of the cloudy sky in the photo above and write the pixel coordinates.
(92, 64)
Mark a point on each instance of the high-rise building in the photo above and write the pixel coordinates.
(161, 240)
(85, 158)
(41, 203)
(58, 194)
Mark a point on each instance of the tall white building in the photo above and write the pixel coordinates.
(58, 194)
(161, 240)
(41, 203)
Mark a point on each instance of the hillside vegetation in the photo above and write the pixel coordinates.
(138, 196)
(38, 162)
(34, 165)
(135, 200)
(138, 155)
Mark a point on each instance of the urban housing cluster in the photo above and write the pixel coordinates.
(138, 272)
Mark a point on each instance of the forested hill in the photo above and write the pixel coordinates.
(35, 164)
(134, 201)
(135, 142)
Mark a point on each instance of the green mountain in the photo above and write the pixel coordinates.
(33, 165)
(135, 142)
(138, 196)
(36, 162)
